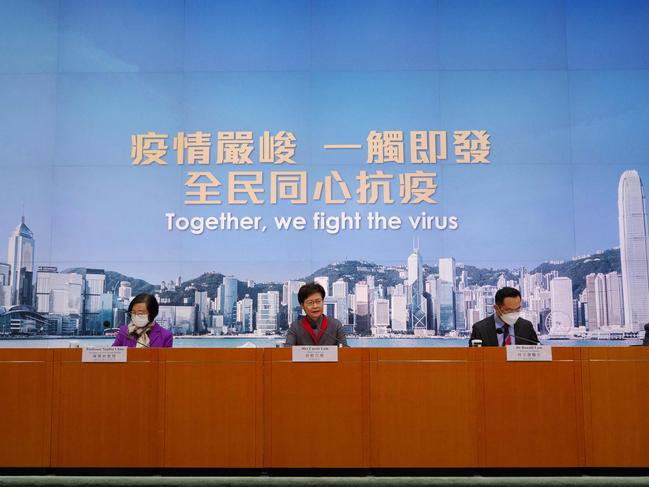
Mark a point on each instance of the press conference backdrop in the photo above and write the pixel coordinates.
(410, 156)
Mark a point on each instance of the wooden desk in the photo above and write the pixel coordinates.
(375, 408)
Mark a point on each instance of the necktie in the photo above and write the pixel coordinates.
(507, 340)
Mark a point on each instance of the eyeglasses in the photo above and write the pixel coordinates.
(139, 313)
(316, 302)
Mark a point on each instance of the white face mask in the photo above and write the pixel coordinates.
(511, 318)
(140, 320)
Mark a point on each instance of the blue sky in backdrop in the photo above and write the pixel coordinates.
(562, 87)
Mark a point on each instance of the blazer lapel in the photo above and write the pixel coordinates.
(491, 331)
(154, 336)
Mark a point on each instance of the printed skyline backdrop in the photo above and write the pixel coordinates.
(561, 87)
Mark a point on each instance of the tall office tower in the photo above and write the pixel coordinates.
(285, 294)
(634, 250)
(58, 293)
(292, 303)
(561, 307)
(324, 282)
(431, 286)
(230, 285)
(445, 307)
(244, 314)
(20, 257)
(447, 270)
(362, 308)
(94, 285)
(485, 300)
(604, 300)
(591, 309)
(5, 288)
(125, 292)
(201, 302)
(340, 290)
(380, 316)
(614, 299)
(463, 278)
(267, 311)
(600, 306)
(399, 308)
(219, 301)
(369, 279)
(502, 282)
(460, 310)
(417, 316)
(5, 274)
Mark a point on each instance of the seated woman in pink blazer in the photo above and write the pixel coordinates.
(143, 331)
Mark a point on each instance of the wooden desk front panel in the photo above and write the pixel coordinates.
(532, 411)
(616, 396)
(213, 402)
(25, 407)
(375, 408)
(316, 414)
(425, 406)
(106, 415)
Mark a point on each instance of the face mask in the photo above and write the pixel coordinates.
(511, 318)
(140, 320)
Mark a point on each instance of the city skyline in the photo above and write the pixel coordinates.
(48, 301)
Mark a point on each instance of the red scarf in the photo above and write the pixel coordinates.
(309, 329)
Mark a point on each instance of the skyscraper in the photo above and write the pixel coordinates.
(399, 313)
(5, 288)
(561, 308)
(230, 285)
(380, 316)
(416, 283)
(324, 282)
(294, 310)
(634, 250)
(244, 314)
(21, 259)
(267, 311)
(447, 270)
(362, 307)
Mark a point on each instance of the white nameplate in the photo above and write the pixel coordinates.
(315, 353)
(529, 353)
(103, 354)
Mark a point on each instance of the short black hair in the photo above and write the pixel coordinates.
(506, 292)
(309, 289)
(150, 301)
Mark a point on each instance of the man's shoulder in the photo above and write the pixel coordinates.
(488, 321)
(523, 323)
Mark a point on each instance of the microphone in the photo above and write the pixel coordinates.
(500, 331)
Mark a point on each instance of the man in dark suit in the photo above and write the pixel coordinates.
(505, 327)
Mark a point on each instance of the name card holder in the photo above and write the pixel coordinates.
(529, 353)
(103, 354)
(315, 353)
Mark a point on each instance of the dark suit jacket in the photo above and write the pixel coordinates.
(485, 330)
(333, 335)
